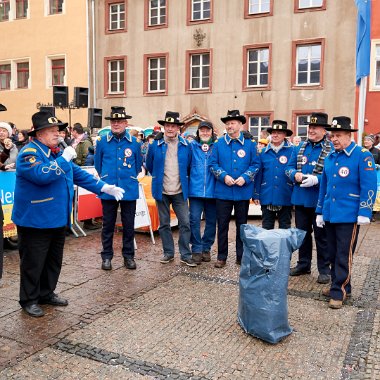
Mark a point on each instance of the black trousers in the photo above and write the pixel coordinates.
(306, 220)
(341, 244)
(223, 215)
(41, 253)
(284, 217)
(128, 209)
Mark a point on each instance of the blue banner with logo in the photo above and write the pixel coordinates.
(7, 187)
(376, 207)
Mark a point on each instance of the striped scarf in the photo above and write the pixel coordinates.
(318, 168)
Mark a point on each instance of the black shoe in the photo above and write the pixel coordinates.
(189, 262)
(323, 279)
(166, 259)
(130, 263)
(106, 264)
(238, 261)
(54, 300)
(90, 226)
(33, 310)
(296, 271)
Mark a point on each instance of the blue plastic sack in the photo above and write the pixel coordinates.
(263, 285)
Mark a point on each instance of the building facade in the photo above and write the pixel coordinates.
(270, 59)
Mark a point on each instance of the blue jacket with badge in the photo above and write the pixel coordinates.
(272, 185)
(348, 186)
(202, 181)
(305, 196)
(155, 163)
(44, 187)
(236, 158)
(118, 162)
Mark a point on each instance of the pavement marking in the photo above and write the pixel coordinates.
(112, 358)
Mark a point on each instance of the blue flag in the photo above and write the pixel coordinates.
(363, 39)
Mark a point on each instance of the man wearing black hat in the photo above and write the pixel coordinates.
(305, 171)
(44, 190)
(273, 189)
(168, 160)
(118, 161)
(346, 196)
(234, 163)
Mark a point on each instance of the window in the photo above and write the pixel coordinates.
(157, 13)
(21, 8)
(256, 66)
(4, 10)
(22, 74)
(199, 71)
(377, 79)
(55, 7)
(116, 16)
(199, 11)
(257, 7)
(307, 5)
(257, 122)
(58, 72)
(5, 76)
(308, 63)
(115, 76)
(300, 118)
(155, 74)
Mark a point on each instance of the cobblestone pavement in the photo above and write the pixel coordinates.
(171, 321)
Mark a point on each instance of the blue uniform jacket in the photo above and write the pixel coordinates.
(236, 158)
(118, 162)
(305, 196)
(45, 187)
(348, 186)
(272, 185)
(202, 181)
(155, 163)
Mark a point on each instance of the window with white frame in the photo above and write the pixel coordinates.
(22, 74)
(116, 76)
(200, 10)
(157, 74)
(257, 123)
(57, 72)
(301, 125)
(5, 76)
(55, 7)
(157, 12)
(199, 71)
(117, 16)
(257, 67)
(258, 6)
(308, 64)
(21, 8)
(302, 4)
(4, 10)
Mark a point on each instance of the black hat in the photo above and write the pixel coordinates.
(280, 125)
(341, 123)
(2, 108)
(171, 118)
(318, 119)
(233, 115)
(44, 119)
(118, 113)
(205, 124)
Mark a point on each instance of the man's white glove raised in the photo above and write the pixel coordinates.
(362, 220)
(69, 153)
(320, 222)
(310, 180)
(113, 190)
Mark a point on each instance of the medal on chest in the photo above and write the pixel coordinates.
(241, 153)
(304, 160)
(205, 147)
(283, 159)
(344, 172)
(128, 152)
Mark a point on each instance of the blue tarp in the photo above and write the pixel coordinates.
(263, 285)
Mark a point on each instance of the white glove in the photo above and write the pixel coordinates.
(362, 220)
(320, 221)
(113, 190)
(142, 173)
(69, 153)
(310, 180)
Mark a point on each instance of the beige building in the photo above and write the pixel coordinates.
(44, 42)
(271, 59)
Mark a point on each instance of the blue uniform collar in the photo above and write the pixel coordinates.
(269, 146)
(180, 138)
(228, 139)
(127, 136)
(350, 148)
(43, 148)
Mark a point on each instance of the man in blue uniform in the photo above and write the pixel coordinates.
(168, 160)
(273, 189)
(346, 196)
(305, 170)
(44, 191)
(201, 193)
(118, 161)
(234, 163)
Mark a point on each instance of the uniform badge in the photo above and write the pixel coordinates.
(344, 171)
(304, 160)
(314, 163)
(205, 147)
(283, 159)
(241, 153)
(124, 164)
(98, 138)
(129, 166)
(128, 152)
(32, 160)
(369, 164)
